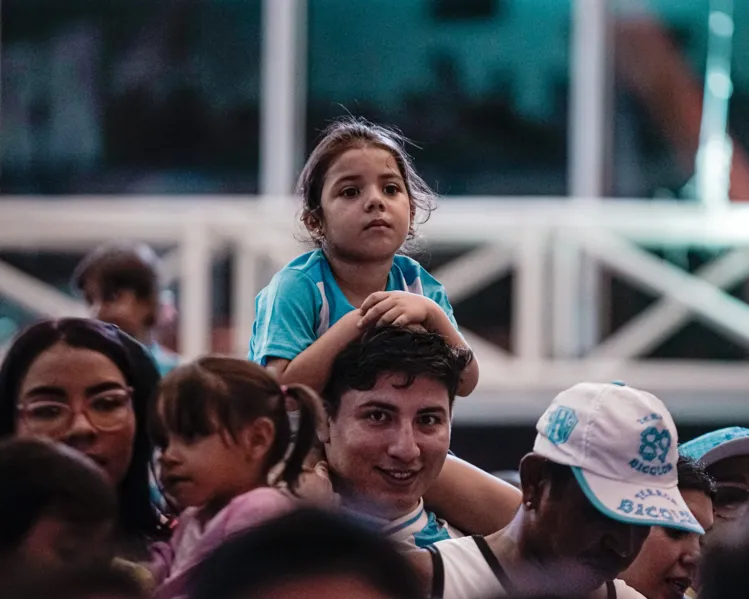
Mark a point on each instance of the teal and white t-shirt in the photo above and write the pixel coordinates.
(303, 300)
(419, 528)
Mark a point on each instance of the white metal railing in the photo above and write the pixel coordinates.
(533, 237)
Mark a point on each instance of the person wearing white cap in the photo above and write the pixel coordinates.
(602, 472)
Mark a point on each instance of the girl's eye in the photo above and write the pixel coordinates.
(350, 192)
(391, 189)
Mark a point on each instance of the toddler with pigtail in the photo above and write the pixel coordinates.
(225, 439)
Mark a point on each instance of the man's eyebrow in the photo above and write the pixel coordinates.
(432, 409)
(383, 405)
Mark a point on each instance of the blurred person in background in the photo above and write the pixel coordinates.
(602, 472)
(362, 200)
(654, 69)
(88, 385)
(96, 582)
(56, 508)
(724, 572)
(725, 455)
(222, 427)
(669, 560)
(307, 554)
(121, 284)
(389, 406)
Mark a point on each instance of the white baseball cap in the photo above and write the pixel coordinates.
(621, 444)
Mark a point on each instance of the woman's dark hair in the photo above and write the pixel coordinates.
(41, 478)
(394, 350)
(213, 394)
(346, 134)
(694, 477)
(303, 544)
(138, 521)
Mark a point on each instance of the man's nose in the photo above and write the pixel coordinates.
(404, 446)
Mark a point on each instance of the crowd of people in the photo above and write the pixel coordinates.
(321, 465)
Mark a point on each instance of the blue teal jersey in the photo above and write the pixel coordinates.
(303, 300)
(166, 360)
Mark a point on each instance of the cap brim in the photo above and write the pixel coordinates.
(637, 504)
(727, 449)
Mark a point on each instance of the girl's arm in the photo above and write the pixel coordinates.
(312, 367)
(438, 322)
(402, 308)
(472, 500)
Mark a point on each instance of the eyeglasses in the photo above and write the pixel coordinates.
(109, 411)
(731, 501)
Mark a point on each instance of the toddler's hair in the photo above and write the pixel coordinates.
(343, 135)
(216, 394)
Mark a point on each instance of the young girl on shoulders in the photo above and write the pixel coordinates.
(222, 426)
(362, 199)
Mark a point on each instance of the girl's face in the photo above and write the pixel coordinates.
(212, 470)
(366, 210)
(667, 563)
(81, 398)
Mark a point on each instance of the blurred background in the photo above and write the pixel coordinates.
(591, 155)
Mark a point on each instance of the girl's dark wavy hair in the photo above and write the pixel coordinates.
(138, 520)
(345, 134)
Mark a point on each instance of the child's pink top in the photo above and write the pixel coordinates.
(172, 563)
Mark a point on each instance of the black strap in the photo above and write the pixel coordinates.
(494, 564)
(438, 573)
(610, 589)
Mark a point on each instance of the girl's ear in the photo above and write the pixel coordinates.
(258, 437)
(314, 223)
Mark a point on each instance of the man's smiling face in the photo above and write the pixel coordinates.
(388, 444)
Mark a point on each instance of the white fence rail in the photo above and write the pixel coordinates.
(540, 239)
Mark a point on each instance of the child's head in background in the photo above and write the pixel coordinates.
(222, 425)
(120, 283)
(362, 197)
(56, 507)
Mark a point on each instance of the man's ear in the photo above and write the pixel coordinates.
(258, 438)
(323, 431)
(532, 482)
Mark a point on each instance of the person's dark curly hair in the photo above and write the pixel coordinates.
(694, 477)
(395, 350)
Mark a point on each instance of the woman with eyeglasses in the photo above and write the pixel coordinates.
(87, 384)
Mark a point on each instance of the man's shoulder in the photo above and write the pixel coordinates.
(419, 528)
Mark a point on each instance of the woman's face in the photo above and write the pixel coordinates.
(667, 564)
(81, 398)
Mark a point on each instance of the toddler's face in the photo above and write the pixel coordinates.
(210, 470)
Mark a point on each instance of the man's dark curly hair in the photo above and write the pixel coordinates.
(395, 350)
